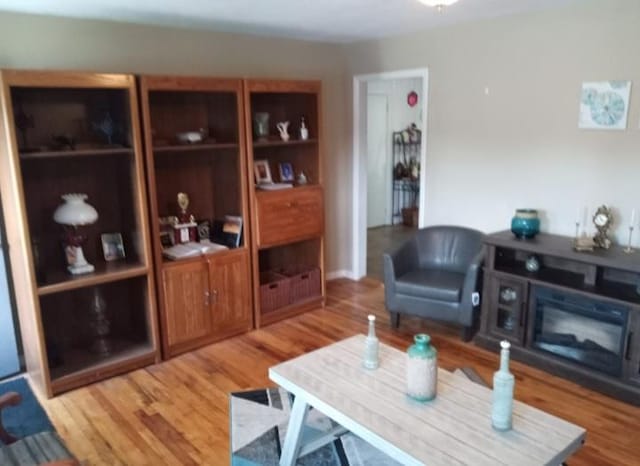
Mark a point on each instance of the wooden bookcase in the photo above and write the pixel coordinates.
(52, 146)
(288, 224)
(205, 298)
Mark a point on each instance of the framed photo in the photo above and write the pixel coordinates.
(286, 171)
(262, 171)
(112, 246)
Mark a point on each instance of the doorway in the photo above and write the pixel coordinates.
(389, 150)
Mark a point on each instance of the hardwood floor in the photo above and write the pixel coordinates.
(177, 412)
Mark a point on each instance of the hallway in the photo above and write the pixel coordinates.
(380, 240)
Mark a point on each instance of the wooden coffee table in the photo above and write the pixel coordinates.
(455, 428)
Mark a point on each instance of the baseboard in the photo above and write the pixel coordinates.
(334, 275)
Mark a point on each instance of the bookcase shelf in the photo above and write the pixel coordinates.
(287, 224)
(205, 298)
(98, 114)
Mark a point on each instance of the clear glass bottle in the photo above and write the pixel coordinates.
(422, 369)
(503, 384)
(371, 345)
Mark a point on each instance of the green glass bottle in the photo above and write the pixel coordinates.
(422, 369)
(371, 345)
(503, 383)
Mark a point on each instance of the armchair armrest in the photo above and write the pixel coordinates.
(400, 261)
(8, 399)
(471, 277)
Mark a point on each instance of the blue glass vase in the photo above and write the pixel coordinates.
(525, 223)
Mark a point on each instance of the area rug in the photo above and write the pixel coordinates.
(28, 417)
(259, 421)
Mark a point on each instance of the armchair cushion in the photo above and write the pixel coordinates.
(440, 285)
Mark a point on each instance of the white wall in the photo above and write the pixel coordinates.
(520, 146)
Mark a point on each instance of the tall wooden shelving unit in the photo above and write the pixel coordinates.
(54, 307)
(288, 224)
(205, 298)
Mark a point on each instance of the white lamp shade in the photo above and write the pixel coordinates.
(74, 211)
(438, 3)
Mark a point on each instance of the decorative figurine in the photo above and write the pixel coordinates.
(106, 127)
(503, 383)
(371, 345)
(302, 178)
(185, 229)
(304, 131)
(283, 128)
(532, 264)
(603, 220)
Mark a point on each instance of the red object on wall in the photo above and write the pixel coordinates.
(412, 98)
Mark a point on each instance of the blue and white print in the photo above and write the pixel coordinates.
(604, 105)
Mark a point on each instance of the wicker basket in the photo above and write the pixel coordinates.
(304, 282)
(274, 291)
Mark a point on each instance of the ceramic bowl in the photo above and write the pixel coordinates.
(189, 137)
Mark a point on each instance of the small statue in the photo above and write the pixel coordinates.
(106, 126)
(283, 129)
(183, 203)
(304, 131)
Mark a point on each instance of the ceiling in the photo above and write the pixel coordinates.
(319, 20)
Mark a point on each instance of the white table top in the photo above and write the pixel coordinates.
(455, 428)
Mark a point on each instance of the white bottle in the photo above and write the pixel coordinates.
(304, 131)
(371, 345)
(503, 383)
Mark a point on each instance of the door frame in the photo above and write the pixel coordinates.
(359, 191)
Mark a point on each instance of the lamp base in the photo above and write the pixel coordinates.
(80, 269)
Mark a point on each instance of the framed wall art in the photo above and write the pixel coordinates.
(604, 105)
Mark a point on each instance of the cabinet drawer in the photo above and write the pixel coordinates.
(289, 215)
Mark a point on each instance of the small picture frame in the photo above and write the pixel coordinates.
(262, 171)
(204, 229)
(112, 246)
(286, 171)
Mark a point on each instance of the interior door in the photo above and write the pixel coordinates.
(9, 361)
(378, 162)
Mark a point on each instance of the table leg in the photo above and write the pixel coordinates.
(291, 446)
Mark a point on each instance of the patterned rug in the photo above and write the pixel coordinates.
(28, 417)
(259, 421)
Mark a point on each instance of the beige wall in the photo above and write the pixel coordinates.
(55, 43)
(519, 146)
(487, 154)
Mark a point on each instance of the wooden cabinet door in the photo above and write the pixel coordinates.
(507, 311)
(289, 215)
(230, 285)
(186, 302)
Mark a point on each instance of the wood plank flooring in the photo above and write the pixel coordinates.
(177, 412)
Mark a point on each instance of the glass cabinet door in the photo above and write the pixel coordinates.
(507, 307)
(632, 348)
